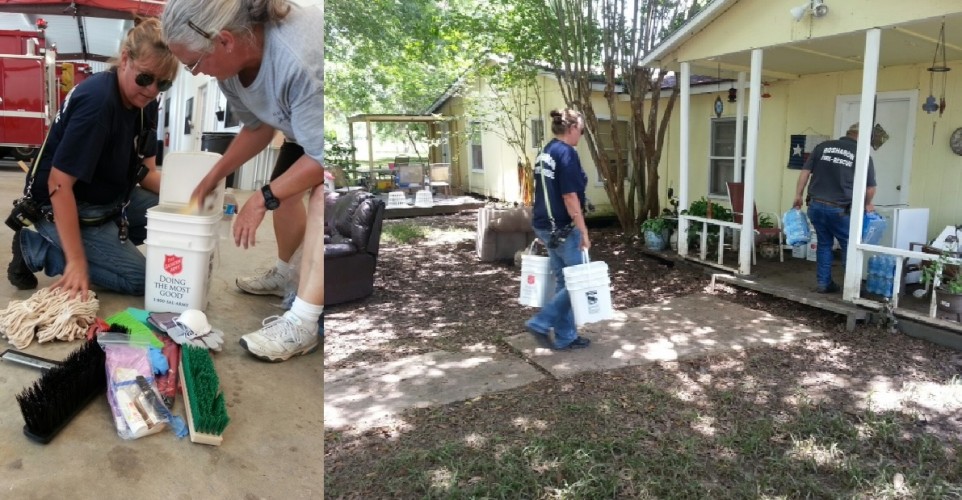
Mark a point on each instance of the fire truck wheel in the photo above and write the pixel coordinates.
(23, 153)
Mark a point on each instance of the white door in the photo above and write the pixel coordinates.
(895, 113)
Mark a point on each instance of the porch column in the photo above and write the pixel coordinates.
(350, 138)
(748, 210)
(739, 131)
(683, 156)
(853, 257)
(370, 148)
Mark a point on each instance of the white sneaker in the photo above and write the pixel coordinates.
(271, 282)
(281, 338)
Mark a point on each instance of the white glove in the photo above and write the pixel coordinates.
(213, 340)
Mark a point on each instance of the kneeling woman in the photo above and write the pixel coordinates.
(95, 177)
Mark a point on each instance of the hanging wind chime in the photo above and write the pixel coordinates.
(719, 105)
(930, 105)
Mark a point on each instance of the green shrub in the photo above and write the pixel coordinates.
(404, 232)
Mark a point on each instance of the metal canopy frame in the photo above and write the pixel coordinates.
(430, 120)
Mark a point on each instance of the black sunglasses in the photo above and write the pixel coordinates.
(145, 79)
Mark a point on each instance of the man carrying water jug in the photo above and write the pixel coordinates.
(831, 168)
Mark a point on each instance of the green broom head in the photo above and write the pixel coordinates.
(61, 392)
(207, 406)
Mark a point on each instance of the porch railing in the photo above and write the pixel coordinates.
(703, 249)
(900, 257)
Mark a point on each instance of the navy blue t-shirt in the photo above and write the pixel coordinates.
(562, 175)
(92, 139)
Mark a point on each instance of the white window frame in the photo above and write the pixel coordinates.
(713, 157)
(603, 124)
(537, 133)
(475, 141)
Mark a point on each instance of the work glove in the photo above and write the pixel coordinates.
(213, 340)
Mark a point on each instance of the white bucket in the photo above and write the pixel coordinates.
(178, 273)
(590, 290)
(537, 280)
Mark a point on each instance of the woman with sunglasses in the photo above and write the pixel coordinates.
(101, 145)
(268, 58)
(558, 219)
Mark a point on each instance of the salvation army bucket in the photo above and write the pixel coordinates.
(590, 291)
(537, 280)
(178, 273)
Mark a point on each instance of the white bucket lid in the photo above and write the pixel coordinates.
(180, 174)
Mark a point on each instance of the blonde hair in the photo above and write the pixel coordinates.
(144, 42)
(564, 119)
(193, 23)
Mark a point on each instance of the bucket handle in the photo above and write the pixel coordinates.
(530, 249)
(584, 256)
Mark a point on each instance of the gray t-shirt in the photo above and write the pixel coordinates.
(288, 93)
(833, 171)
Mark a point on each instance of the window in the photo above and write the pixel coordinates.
(722, 157)
(605, 141)
(537, 133)
(477, 158)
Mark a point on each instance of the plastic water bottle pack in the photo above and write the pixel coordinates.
(796, 227)
(881, 275)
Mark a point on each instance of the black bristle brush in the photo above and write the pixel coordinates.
(59, 395)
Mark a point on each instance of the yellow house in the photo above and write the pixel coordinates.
(804, 70)
(483, 159)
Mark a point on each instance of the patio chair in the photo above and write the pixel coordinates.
(410, 176)
(736, 196)
(440, 175)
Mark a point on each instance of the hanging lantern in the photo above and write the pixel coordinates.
(765, 94)
(732, 94)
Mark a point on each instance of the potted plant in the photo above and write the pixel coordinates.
(946, 276)
(768, 246)
(702, 207)
(657, 232)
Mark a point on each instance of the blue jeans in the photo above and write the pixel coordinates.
(831, 223)
(557, 314)
(113, 264)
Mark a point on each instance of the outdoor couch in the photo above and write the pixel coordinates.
(501, 232)
(351, 244)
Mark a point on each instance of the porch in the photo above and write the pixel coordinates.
(794, 279)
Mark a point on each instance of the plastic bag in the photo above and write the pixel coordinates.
(795, 225)
(873, 225)
(131, 392)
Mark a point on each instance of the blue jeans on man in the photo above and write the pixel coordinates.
(557, 313)
(114, 265)
(831, 223)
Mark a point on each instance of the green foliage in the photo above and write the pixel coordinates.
(404, 232)
(339, 157)
(655, 225)
(699, 208)
(765, 220)
(948, 273)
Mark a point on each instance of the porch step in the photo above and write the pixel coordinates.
(853, 313)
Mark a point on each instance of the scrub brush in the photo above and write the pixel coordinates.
(206, 410)
(53, 400)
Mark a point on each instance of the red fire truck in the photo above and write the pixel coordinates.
(32, 86)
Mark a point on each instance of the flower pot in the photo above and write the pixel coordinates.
(656, 241)
(768, 250)
(949, 305)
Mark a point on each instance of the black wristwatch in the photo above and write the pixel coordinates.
(270, 201)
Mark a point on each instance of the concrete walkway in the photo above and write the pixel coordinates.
(685, 327)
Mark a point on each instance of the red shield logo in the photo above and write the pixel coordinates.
(530, 279)
(173, 264)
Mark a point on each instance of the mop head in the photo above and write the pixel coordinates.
(53, 400)
(48, 314)
(206, 409)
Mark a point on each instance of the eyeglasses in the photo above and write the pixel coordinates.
(146, 79)
(190, 69)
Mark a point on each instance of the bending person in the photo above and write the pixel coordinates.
(101, 145)
(268, 58)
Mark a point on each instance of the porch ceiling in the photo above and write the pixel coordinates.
(904, 44)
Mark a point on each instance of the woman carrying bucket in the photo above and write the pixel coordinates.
(558, 220)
